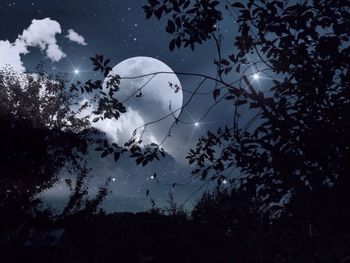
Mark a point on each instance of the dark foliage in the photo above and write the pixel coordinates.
(292, 156)
(40, 134)
(43, 131)
(225, 226)
(290, 201)
(298, 141)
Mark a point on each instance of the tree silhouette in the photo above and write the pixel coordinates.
(287, 166)
(43, 130)
(298, 141)
(36, 139)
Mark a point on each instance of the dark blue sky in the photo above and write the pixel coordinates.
(119, 30)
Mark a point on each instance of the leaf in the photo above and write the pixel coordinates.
(191, 11)
(238, 5)
(280, 4)
(178, 21)
(240, 102)
(238, 68)
(172, 44)
(186, 4)
(106, 62)
(215, 3)
(96, 119)
(104, 154)
(225, 62)
(136, 155)
(144, 162)
(149, 14)
(116, 156)
(171, 27)
(178, 42)
(227, 70)
(99, 149)
(158, 13)
(139, 160)
(216, 93)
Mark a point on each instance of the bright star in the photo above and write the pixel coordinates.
(76, 71)
(113, 179)
(196, 124)
(256, 76)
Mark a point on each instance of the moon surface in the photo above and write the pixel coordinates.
(147, 99)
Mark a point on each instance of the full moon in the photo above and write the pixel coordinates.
(147, 99)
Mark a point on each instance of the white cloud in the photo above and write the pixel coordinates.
(41, 34)
(10, 55)
(75, 37)
(121, 130)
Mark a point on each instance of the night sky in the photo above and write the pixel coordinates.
(119, 30)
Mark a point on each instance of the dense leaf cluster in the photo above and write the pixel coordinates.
(190, 23)
(45, 128)
(40, 133)
(298, 142)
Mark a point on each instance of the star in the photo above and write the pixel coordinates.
(256, 76)
(196, 124)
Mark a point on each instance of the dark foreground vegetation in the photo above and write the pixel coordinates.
(287, 162)
(223, 227)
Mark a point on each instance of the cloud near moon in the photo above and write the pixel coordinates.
(121, 130)
(159, 98)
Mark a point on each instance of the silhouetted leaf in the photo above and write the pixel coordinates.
(238, 5)
(216, 93)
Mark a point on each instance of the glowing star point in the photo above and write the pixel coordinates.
(76, 71)
(196, 124)
(256, 76)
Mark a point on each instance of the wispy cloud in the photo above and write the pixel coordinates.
(75, 37)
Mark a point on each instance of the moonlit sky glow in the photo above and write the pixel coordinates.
(158, 100)
(65, 34)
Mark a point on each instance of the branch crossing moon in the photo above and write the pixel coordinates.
(148, 97)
